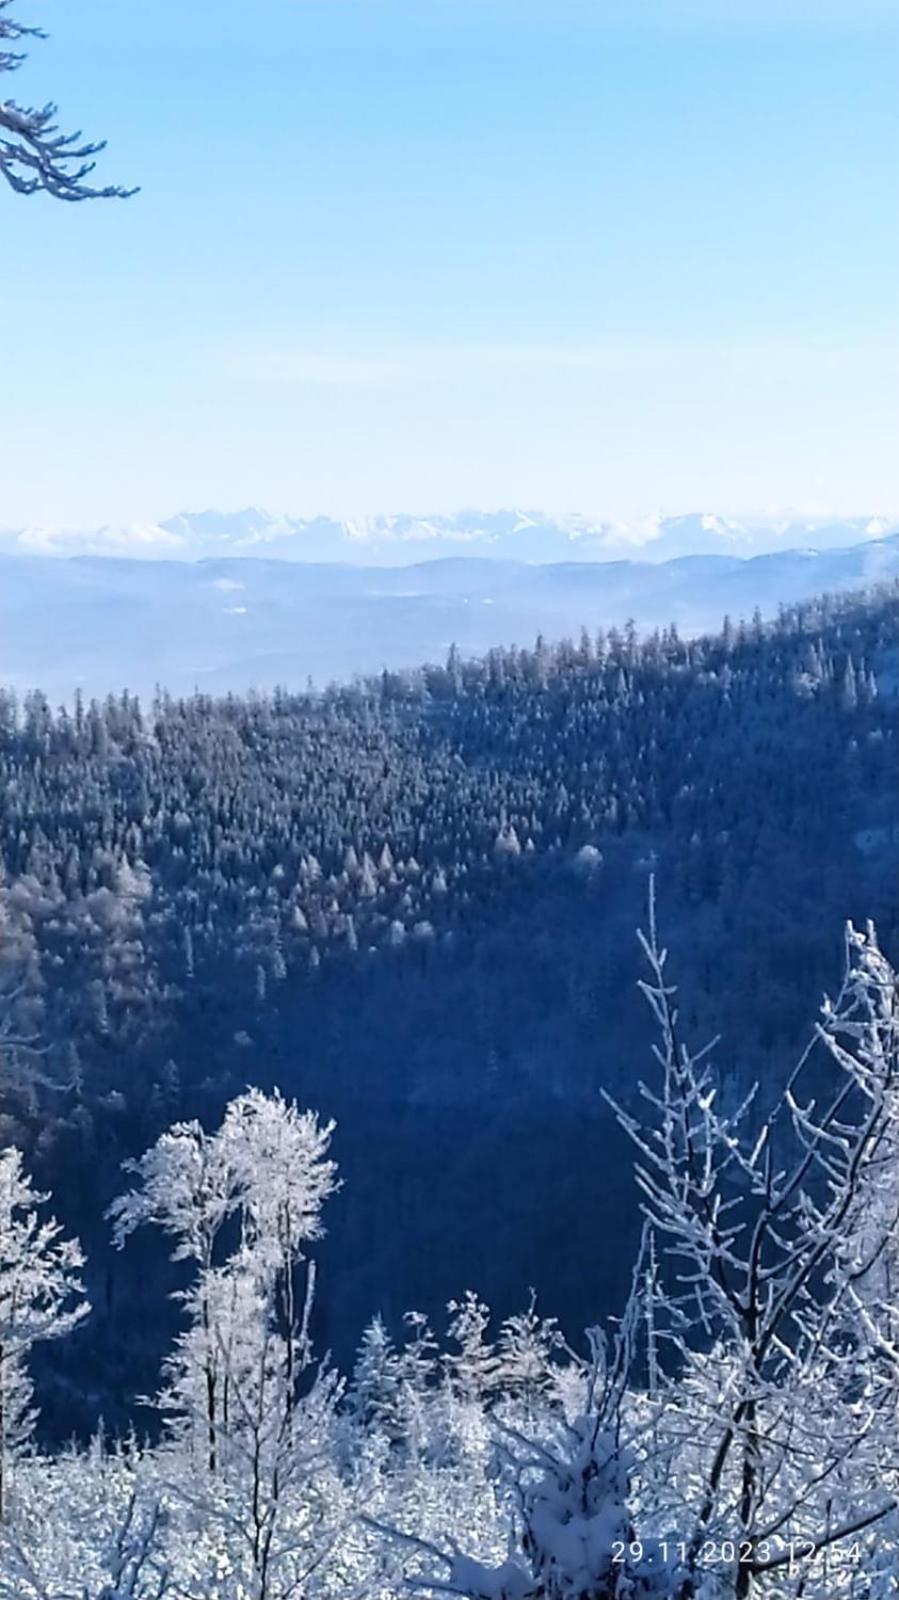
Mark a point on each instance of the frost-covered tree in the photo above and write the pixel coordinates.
(571, 1504)
(526, 1350)
(275, 1508)
(472, 1367)
(244, 1401)
(774, 1422)
(41, 1297)
(267, 1165)
(417, 1369)
(119, 1558)
(277, 1156)
(374, 1390)
(187, 1189)
(736, 1439)
(34, 155)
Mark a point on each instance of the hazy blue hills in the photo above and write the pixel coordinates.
(221, 624)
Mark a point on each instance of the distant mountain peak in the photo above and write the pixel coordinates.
(402, 538)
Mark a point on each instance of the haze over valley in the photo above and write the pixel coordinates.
(233, 603)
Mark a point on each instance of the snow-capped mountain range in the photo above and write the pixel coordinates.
(388, 541)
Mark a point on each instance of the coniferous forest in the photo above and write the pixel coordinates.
(411, 905)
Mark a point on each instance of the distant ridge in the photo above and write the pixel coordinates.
(400, 540)
(231, 623)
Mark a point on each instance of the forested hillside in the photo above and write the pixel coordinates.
(410, 902)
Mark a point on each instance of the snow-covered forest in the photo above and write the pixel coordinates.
(250, 884)
(411, 904)
(731, 1433)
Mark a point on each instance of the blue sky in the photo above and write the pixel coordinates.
(602, 255)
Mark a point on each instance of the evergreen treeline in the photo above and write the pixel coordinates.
(410, 901)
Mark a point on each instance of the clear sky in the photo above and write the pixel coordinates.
(602, 255)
